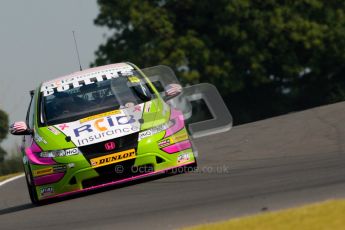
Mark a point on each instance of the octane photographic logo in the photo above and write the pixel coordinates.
(102, 128)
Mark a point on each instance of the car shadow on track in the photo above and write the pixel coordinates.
(16, 208)
(113, 187)
(96, 191)
(79, 195)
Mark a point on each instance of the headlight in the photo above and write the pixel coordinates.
(60, 153)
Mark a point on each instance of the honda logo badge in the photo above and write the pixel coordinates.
(109, 145)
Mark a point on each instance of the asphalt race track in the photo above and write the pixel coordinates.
(272, 164)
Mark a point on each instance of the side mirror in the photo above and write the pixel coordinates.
(20, 128)
(171, 91)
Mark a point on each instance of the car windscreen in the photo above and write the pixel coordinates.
(94, 98)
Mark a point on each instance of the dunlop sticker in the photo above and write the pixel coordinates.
(112, 158)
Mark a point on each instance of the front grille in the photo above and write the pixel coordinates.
(122, 143)
(110, 173)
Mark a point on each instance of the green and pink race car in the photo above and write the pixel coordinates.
(104, 126)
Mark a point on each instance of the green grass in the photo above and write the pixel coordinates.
(326, 215)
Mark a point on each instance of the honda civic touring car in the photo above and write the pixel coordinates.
(102, 126)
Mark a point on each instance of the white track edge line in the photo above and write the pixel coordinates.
(11, 179)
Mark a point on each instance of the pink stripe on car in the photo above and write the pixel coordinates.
(34, 159)
(177, 116)
(178, 147)
(48, 179)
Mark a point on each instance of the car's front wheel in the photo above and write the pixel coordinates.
(31, 187)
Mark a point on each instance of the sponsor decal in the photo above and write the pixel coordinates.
(164, 143)
(74, 81)
(70, 165)
(104, 127)
(113, 158)
(56, 153)
(93, 130)
(163, 127)
(174, 139)
(60, 153)
(137, 108)
(70, 152)
(179, 137)
(110, 145)
(134, 79)
(59, 168)
(63, 126)
(49, 170)
(144, 134)
(42, 172)
(53, 130)
(96, 137)
(182, 158)
(147, 107)
(100, 116)
(46, 191)
(156, 129)
(38, 138)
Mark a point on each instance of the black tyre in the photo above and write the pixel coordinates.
(31, 187)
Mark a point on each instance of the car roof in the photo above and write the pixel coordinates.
(85, 75)
(119, 66)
